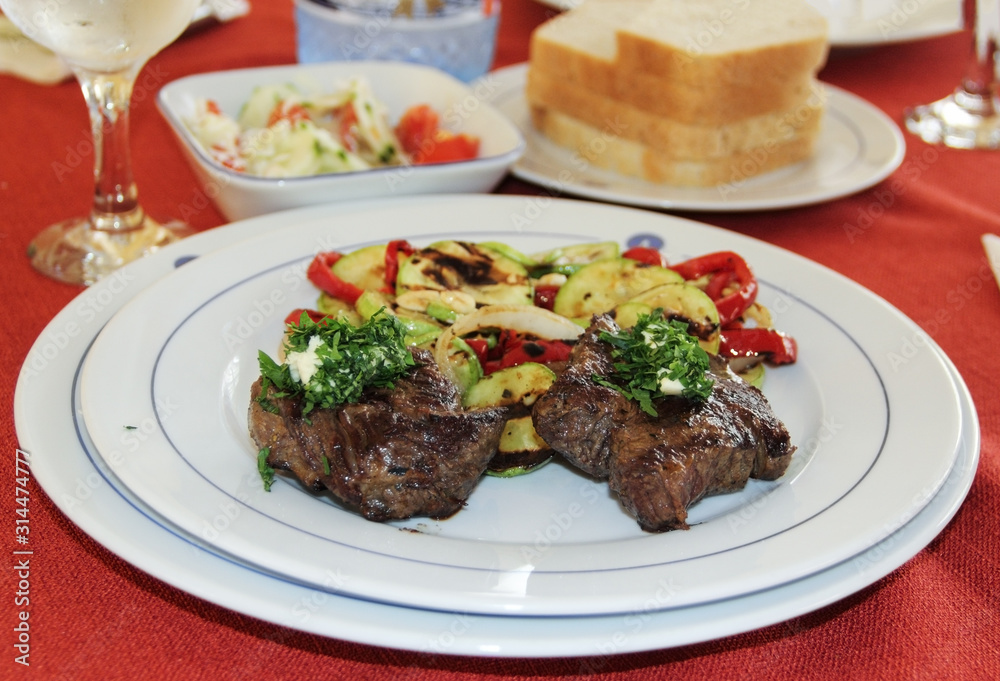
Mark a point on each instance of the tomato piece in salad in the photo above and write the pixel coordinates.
(422, 138)
(448, 147)
(417, 125)
(347, 127)
(291, 112)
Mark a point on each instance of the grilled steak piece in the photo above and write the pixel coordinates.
(409, 451)
(659, 466)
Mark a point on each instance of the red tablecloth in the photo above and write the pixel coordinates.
(913, 240)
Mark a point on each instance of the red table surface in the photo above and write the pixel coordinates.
(913, 239)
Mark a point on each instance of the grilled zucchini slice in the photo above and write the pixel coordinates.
(521, 449)
(487, 275)
(603, 285)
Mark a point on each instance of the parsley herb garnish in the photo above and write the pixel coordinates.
(331, 362)
(265, 470)
(654, 352)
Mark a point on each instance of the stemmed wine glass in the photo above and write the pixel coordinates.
(968, 118)
(105, 43)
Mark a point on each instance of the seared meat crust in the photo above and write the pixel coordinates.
(659, 466)
(409, 451)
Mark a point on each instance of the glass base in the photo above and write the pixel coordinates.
(74, 253)
(461, 40)
(956, 123)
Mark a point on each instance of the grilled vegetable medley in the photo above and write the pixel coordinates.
(501, 324)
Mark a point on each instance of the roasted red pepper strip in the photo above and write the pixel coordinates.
(776, 347)
(646, 255)
(392, 251)
(541, 351)
(545, 296)
(718, 283)
(732, 306)
(480, 347)
(320, 274)
(512, 350)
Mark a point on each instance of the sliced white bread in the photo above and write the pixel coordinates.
(667, 136)
(707, 61)
(729, 41)
(603, 149)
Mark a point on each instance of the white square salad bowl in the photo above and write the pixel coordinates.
(462, 109)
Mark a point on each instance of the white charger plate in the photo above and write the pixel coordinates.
(71, 472)
(871, 452)
(858, 147)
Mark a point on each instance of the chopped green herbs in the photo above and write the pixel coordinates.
(265, 470)
(387, 154)
(655, 358)
(331, 362)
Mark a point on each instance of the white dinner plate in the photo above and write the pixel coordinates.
(858, 147)
(68, 467)
(884, 22)
(871, 452)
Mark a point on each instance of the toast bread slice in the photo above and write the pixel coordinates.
(604, 149)
(667, 136)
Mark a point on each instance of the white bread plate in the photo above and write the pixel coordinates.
(864, 23)
(463, 109)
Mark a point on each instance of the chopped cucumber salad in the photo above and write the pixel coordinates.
(282, 131)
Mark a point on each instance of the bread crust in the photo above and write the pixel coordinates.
(603, 149)
(617, 50)
(670, 137)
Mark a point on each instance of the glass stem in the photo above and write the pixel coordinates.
(978, 91)
(116, 200)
